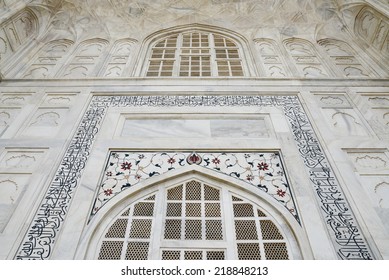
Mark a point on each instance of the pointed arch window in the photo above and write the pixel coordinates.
(197, 221)
(195, 54)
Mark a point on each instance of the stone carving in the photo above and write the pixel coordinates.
(84, 61)
(347, 124)
(371, 162)
(16, 31)
(3, 48)
(9, 191)
(332, 100)
(120, 55)
(48, 58)
(46, 119)
(306, 58)
(13, 99)
(385, 117)
(344, 230)
(4, 118)
(379, 101)
(343, 57)
(59, 100)
(382, 192)
(373, 27)
(271, 59)
(20, 160)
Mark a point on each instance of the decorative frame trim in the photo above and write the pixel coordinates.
(342, 225)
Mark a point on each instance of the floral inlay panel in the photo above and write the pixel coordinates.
(126, 169)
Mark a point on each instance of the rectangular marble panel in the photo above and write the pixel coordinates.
(194, 128)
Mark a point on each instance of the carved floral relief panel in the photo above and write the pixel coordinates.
(12, 188)
(118, 59)
(370, 162)
(45, 64)
(306, 59)
(376, 113)
(343, 57)
(16, 32)
(344, 122)
(85, 60)
(373, 27)
(271, 59)
(45, 122)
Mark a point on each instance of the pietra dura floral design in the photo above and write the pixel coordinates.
(262, 170)
(343, 228)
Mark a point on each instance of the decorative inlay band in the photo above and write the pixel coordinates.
(342, 226)
(126, 169)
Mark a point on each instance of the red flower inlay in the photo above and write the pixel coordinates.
(126, 165)
(216, 161)
(171, 160)
(263, 166)
(108, 192)
(250, 177)
(281, 193)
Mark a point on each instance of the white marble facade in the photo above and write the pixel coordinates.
(282, 104)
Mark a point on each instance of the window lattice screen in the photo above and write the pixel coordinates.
(195, 54)
(193, 227)
(257, 236)
(129, 235)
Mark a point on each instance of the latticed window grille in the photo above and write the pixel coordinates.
(195, 54)
(192, 226)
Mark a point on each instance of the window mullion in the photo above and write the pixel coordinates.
(213, 62)
(227, 216)
(177, 56)
(157, 229)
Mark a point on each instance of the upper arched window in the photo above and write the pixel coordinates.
(195, 54)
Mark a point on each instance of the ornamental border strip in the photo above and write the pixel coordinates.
(343, 228)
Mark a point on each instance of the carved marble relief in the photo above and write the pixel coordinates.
(344, 122)
(20, 160)
(271, 59)
(47, 60)
(7, 115)
(343, 57)
(85, 59)
(306, 59)
(15, 99)
(118, 59)
(12, 187)
(382, 192)
(59, 99)
(343, 228)
(378, 116)
(370, 163)
(332, 101)
(45, 122)
(373, 27)
(16, 32)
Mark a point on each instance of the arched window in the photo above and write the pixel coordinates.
(195, 53)
(198, 220)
